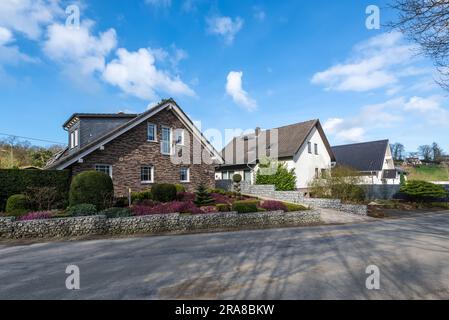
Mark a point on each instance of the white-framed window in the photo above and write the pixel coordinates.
(74, 139)
(309, 146)
(147, 174)
(179, 137)
(105, 168)
(317, 173)
(184, 174)
(166, 141)
(316, 148)
(227, 175)
(247, 176)
(152, 132)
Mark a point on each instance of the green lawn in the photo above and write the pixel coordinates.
(428, 173)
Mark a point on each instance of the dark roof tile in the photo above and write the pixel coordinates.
(366, 156)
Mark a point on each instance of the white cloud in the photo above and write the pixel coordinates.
(79, 47)
(235, 90)
(225, 27)
(28, 17)
(332, 125)
(159, 3)
(173, 58)
(389, 114)
(5, 36)
(376, 63)
(430, 109)
(135, 73)
(420, 104)
(370, 117)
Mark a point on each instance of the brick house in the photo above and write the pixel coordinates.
(161, 145)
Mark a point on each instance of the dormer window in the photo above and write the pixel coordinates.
(74, 139)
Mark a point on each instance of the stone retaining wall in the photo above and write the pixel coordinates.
(153, 224)
(269, 192)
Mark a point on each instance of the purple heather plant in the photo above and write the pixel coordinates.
(219, 198)
(39, 215)
(271, 205)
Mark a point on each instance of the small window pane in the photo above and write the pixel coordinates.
(151, 132)
(309, 147)
(146, 174)
(184, 174)
(76, 137)
(104, 168)
(316, 148)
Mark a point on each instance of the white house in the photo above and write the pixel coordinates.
(302, 146)
(372, 159)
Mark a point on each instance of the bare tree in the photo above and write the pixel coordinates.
(426, 152)
(437, 152)
(426, 22)
(398, 151)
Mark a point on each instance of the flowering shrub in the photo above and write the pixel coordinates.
(209, 209)
(271, 205)
(40, 215)
(220, 198)
(165, 208)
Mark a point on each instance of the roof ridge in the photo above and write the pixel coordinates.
(360, 143)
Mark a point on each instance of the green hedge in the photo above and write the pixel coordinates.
(92, 187)
(418, 190)
(282, 178)
(164, 192)
(16, 205)
(246, 206)
(15, 181)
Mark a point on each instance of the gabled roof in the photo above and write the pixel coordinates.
(64, 160)
(290, 139)
(366, 156)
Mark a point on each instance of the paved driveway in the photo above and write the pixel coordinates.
(299, 263)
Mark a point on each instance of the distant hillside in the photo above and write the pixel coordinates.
(428, 173)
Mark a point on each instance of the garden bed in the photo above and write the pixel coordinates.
(151, 224)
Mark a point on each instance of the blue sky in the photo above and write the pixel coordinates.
(229, 64)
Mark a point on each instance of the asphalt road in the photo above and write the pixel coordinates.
(326, 262)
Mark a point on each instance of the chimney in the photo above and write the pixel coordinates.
(257, 131)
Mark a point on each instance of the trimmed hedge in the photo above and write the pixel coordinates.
(15, 181)
(418, 190)
(16, 205)
(245, 206)
(81, 210)
(92, 187)
(163, 192)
